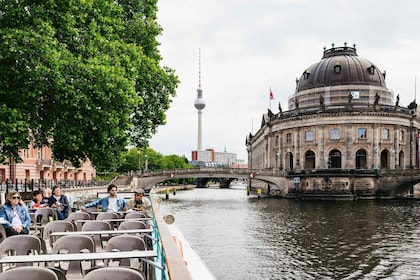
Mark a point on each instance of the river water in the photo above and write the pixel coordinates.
(243, 237)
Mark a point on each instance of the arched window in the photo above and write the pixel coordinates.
(401, 160)
(337, 69)
(334, 159)
(309, 160)
(361, 159)
(289, 161)
(385, 159)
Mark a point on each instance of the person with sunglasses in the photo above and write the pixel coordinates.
(139, 202)
(111, 203)
(15, 215)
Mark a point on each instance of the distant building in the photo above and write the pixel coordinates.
(211, 158)
(39, 166)
(341, 117)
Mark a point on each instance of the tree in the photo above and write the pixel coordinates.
(81, 76)
(155, 161)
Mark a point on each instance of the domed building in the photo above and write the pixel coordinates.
(342, 127)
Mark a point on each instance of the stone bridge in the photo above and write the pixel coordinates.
(334, 183)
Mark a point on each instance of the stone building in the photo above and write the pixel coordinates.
(38, 167)
(341, 118)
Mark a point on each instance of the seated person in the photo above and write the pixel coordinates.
(37, 201)
(15, 215)
(111, 203)
(60, 203)
(139, 202)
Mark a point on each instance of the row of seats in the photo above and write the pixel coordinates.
(25, 244)
(36, 273)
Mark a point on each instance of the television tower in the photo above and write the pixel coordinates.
(199, 103)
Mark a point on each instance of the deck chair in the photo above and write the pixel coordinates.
(135, 215)
(73, 244)
(22, 244)
(53, 226)
(28, 273)
(111, 273)
(74, 216)
(97, 225)
(125, 242)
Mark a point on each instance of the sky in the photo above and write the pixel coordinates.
(250, 46)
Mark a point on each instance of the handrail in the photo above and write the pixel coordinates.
(177, 270)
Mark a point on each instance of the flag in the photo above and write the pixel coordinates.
(271, 95)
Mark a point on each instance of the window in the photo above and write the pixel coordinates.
(335, 134)
(289, 137)
(25, 153)
(362, 133)
(309, 135)
(277, 140)
(337, 69)
(385, 133)
(401, 135)
(371, 70)
(306, 74)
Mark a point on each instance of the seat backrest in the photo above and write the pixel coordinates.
(107, 216)
(79, 215)
(56, 226)
(96, 225)
(29, 273)
(125, 242)
(74, 244)
(22, 244)
(135, 215)
(73, 216)
(61, 274)
(46, 215)
(132, 225)
(111, 273)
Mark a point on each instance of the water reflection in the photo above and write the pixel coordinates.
(241, 237)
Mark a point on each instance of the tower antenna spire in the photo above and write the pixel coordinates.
(199, 68)
(199, 103)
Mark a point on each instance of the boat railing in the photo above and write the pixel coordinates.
(172, 265)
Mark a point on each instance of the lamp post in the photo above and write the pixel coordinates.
(145, 163)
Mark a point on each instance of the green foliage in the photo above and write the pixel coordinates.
(81, 76)
(155, 161)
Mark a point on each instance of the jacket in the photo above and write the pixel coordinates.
(104, 202)
(7, 212)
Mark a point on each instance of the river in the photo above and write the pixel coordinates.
(243, 237)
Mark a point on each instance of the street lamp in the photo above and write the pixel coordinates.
(145, 162)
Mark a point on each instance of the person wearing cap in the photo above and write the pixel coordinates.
(139, 202)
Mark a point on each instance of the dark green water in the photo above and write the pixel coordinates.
(242, 237)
